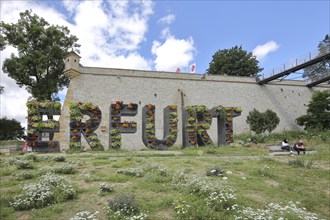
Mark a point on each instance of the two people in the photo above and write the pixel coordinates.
(299, 146)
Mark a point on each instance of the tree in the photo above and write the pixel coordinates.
(260, 122)
(271, 120)
(321, 68)
(41, 49)
(234, 62)
(10, 129)
(318, 112)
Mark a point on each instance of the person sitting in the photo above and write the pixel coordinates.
(286, 146)
(299, 146)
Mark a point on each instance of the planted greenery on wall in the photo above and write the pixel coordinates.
(36, 126)
(87, 128)
(117, 127)
(225, 117)
(197, 119)
(170, 127)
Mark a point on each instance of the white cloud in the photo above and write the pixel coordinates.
(261, 51)
(173, 53)
(166, 33)
(110, 34)
(14, 98)
(167, 20)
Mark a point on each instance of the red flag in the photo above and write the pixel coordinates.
(193, 68)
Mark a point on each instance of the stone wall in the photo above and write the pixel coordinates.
(102, 86)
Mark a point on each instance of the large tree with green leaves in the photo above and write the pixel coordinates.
(10, 129)
(41, 48)
(321, 68)
(234, 62)
(318, 112)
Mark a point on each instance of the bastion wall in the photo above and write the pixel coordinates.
(102, 86)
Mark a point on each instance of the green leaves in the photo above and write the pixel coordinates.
(10, 129)
(234, 62)
(260, 122)
(41, 47)
(318, 112)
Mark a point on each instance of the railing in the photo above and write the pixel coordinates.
(294, 63)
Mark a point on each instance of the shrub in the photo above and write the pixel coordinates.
(50, 189)
(124, 207)
(219, 195)
(23, 164)
(88, 177)
(23, 175)
(138, 172)
(31, 156)
(59, 158)
(65, 169)
(105, 188)
(260, 122)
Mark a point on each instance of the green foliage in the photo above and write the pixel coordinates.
(50, 189)
(123, 202)
(260, 122)
(10, 129)
(234, 62)
(41, 48)
(65, 169)
(59, 158)
(271, 120)
(105, 188)
(318, 112)
(320, 68)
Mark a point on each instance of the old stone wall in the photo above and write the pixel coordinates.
(102, 86)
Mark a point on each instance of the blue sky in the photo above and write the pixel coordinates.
(164, 35)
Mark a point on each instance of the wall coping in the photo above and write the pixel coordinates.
(184, 76)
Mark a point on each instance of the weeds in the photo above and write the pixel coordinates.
(59, 158)
(50, 189)
(105, 188)
(65, 169)
(276, 211)
(85, 215)
(23, 175)
(124, 207)
(138, 172)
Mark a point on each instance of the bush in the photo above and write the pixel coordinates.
(23, 175)
(50, 189)
(59, 158)
(105, 188)
(261, 122)
(124, 207)
(65, 169)
(22, 164)
(138, 172)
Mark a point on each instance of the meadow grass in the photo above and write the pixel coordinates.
(178, 185)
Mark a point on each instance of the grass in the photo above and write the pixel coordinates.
(256, 181)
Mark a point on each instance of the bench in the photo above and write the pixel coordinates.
(277, 150)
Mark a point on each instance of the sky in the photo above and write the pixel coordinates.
(165, 35)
